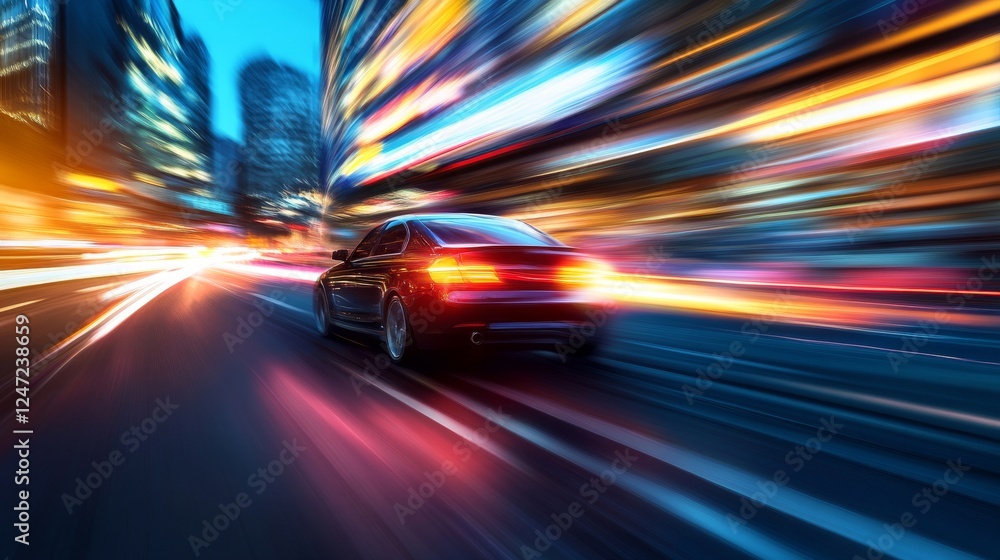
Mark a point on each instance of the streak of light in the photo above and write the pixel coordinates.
(624, 278)
(16, 305)
(714, 296)
(298, 274)
(38, 276)
(110, 319)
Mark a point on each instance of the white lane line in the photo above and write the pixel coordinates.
(281, 304)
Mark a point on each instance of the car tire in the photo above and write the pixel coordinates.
(321, 313)
(399, 343)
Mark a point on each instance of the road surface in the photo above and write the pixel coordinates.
(207, 419)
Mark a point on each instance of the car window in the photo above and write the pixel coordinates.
(364, 248)
(392, 241)
(461, 230)
(418, 243)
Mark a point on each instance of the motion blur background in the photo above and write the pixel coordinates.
(818, 175)
(800, 134)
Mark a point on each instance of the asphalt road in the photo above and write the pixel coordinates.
(717, 437)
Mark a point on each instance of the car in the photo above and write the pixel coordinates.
(426, 282)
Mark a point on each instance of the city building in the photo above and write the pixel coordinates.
(227, 166)
(162, 145)
(280, 130)
(90, 51)
(27, 33)
(199, 96)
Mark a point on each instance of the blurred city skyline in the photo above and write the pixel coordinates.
(238, 31)
(729, 133)
(129, 118)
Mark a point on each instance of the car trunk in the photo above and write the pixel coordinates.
(522, 268)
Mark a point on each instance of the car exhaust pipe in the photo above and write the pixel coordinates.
(476, 338)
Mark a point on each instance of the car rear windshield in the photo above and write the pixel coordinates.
(486, 231)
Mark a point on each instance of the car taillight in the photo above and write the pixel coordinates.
(587, 274)
(447, 270)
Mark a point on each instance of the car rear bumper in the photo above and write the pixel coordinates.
(505, 318)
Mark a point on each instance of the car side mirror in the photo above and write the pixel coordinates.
(340, 255)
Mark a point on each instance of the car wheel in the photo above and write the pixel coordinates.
(321, 312)
(397, 332)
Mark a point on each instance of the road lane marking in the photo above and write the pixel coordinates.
(281, 304)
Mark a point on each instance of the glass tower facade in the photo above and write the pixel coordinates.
(26, 82)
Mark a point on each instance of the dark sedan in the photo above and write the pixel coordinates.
(429, 281)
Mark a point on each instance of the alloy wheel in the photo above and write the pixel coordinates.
(395, 329)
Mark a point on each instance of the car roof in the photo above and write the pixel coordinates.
(448, 216)
(430, 217)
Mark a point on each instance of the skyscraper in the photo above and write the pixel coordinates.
(91, 51)
(199, 97)
(162, 145)
(280, 129)
(227, 167)
(26, 69)
(137, 100)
